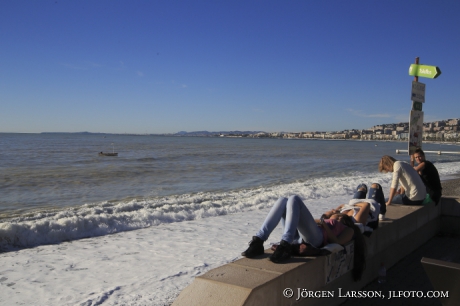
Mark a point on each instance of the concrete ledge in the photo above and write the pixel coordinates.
(261, 282)
(450, 216)
(445, 276)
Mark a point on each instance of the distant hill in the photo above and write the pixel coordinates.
(207, 133)
(69, 133)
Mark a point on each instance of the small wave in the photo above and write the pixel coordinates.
(90, 220)
(146, 159)
(50, 227)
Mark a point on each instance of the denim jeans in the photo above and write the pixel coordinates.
(374, 193)
(407, 201)
(296, 220)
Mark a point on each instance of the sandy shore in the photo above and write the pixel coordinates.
(451, 188)
(149, 266)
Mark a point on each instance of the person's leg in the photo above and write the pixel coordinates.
(256, 245)
(298, 217)
(376, 193)
(360, 192)
(407, 201)
(436, 196)
(277, 212)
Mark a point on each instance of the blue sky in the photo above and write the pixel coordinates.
(169, 66)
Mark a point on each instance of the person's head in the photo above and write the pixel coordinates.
(328, 214)
(419, 155)
(342, 218)
(386, 164)
(345, 219)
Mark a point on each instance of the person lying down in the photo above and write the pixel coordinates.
(361, 210)
(299, 225)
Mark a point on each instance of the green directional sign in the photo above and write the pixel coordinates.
(425, 71)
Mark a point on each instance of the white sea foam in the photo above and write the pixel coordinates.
(48, 227)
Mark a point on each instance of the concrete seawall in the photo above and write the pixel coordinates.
(261, 282)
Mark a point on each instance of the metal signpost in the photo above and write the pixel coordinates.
(418, 97)
(418, 92)
(415, 130)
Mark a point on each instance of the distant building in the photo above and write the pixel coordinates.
(387, 131)
(404, 135)
(427, 129)
(439, 123)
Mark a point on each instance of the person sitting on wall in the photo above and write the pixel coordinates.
(412, 191)
(429, 175)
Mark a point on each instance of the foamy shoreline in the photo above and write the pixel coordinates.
(149, 266)
(143, 267)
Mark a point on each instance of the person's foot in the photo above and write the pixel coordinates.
(256, 248)
(362, 187)
(282, 252)
(381, 216)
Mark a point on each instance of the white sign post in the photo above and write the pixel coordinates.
(418, 97)
(418, 92)
(415, 130)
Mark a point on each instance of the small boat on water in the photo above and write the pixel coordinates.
(108, 154)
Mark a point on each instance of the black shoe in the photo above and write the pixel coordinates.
(256, 248)
(282, 252)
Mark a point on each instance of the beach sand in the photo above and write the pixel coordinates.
(149, 266)
(142, 267)
(451, 188)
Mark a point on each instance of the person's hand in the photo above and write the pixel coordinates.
(388, 203)
(321, 221)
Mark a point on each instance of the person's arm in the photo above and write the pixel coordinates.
(345, 236)
(392, 195)
(394, 183)
(420, 167)
(363, 213)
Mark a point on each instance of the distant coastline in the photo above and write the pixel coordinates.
(247, 134)
(443, 131)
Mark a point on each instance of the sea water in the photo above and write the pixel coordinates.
(55, 187)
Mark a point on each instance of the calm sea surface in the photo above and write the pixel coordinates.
(57, 182)
(57, 170)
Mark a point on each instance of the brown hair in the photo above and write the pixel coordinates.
(360, 250)
(420, 151)
(386, 163)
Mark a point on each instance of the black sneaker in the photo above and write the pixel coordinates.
(282, 252)
(256, 248)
